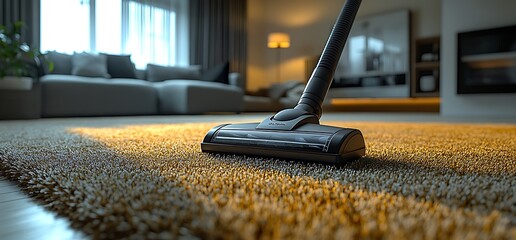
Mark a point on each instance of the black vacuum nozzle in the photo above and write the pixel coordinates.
(296, 133)
(308, 142)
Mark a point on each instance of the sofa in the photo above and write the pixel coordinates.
(277, 97)
(85, 84)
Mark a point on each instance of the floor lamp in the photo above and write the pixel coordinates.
(278, 41)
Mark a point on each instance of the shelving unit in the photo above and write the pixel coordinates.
(424, 81)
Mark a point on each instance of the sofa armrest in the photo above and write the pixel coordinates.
(141, 74)
(236, 79)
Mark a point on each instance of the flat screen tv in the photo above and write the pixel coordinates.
(486, 61)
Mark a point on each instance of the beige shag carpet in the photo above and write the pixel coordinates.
(417, 181)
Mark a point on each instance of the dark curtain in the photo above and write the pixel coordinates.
(218, 33)
(28, 12)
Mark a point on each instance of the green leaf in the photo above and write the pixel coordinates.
(16, 57)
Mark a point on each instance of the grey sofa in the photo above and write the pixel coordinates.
(160, 91)
(69, 96)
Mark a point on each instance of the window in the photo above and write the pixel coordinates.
(64, 31)
(146, 29)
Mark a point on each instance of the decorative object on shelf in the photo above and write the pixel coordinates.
(427, 83)
(278, 40)
(18, 60)
(425, 67)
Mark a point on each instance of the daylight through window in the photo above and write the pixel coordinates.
(147, 29)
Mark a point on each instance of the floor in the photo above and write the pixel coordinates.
(23, 218)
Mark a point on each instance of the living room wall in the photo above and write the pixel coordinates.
(468, 15)
(309, 23)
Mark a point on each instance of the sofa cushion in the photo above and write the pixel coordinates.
(120, 66)
(196, 97)
(69, 95)
(280, 90)
(62, 63)
(89, 65)
(218, 73)
(158, 73)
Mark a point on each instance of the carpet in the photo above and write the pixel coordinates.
(417, 181)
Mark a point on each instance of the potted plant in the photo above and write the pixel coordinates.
(18, 61)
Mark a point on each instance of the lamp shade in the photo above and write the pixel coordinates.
(278, 40)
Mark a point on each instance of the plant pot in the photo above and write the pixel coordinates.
(16, 83)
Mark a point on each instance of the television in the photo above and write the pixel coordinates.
(486, 61)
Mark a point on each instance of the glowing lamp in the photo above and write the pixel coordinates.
(278, 40)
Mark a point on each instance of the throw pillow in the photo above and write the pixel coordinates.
(62, 63)
(280, 90)
(217, 73)
(158, 73)
(120, 66)
(89, 65)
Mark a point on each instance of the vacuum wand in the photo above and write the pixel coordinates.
(322, 76)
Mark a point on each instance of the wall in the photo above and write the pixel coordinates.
(309, 23)
(255, 44)
(468, 15)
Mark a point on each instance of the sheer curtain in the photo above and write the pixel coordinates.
(152, 31)
(218, 33)
(149, 31)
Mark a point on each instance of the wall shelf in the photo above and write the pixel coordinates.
(432, 65)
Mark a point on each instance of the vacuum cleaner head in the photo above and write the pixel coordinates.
(309, 142)
(296, 133)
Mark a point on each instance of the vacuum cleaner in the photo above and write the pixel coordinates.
(295, 133)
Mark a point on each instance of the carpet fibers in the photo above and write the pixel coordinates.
(417, 181)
